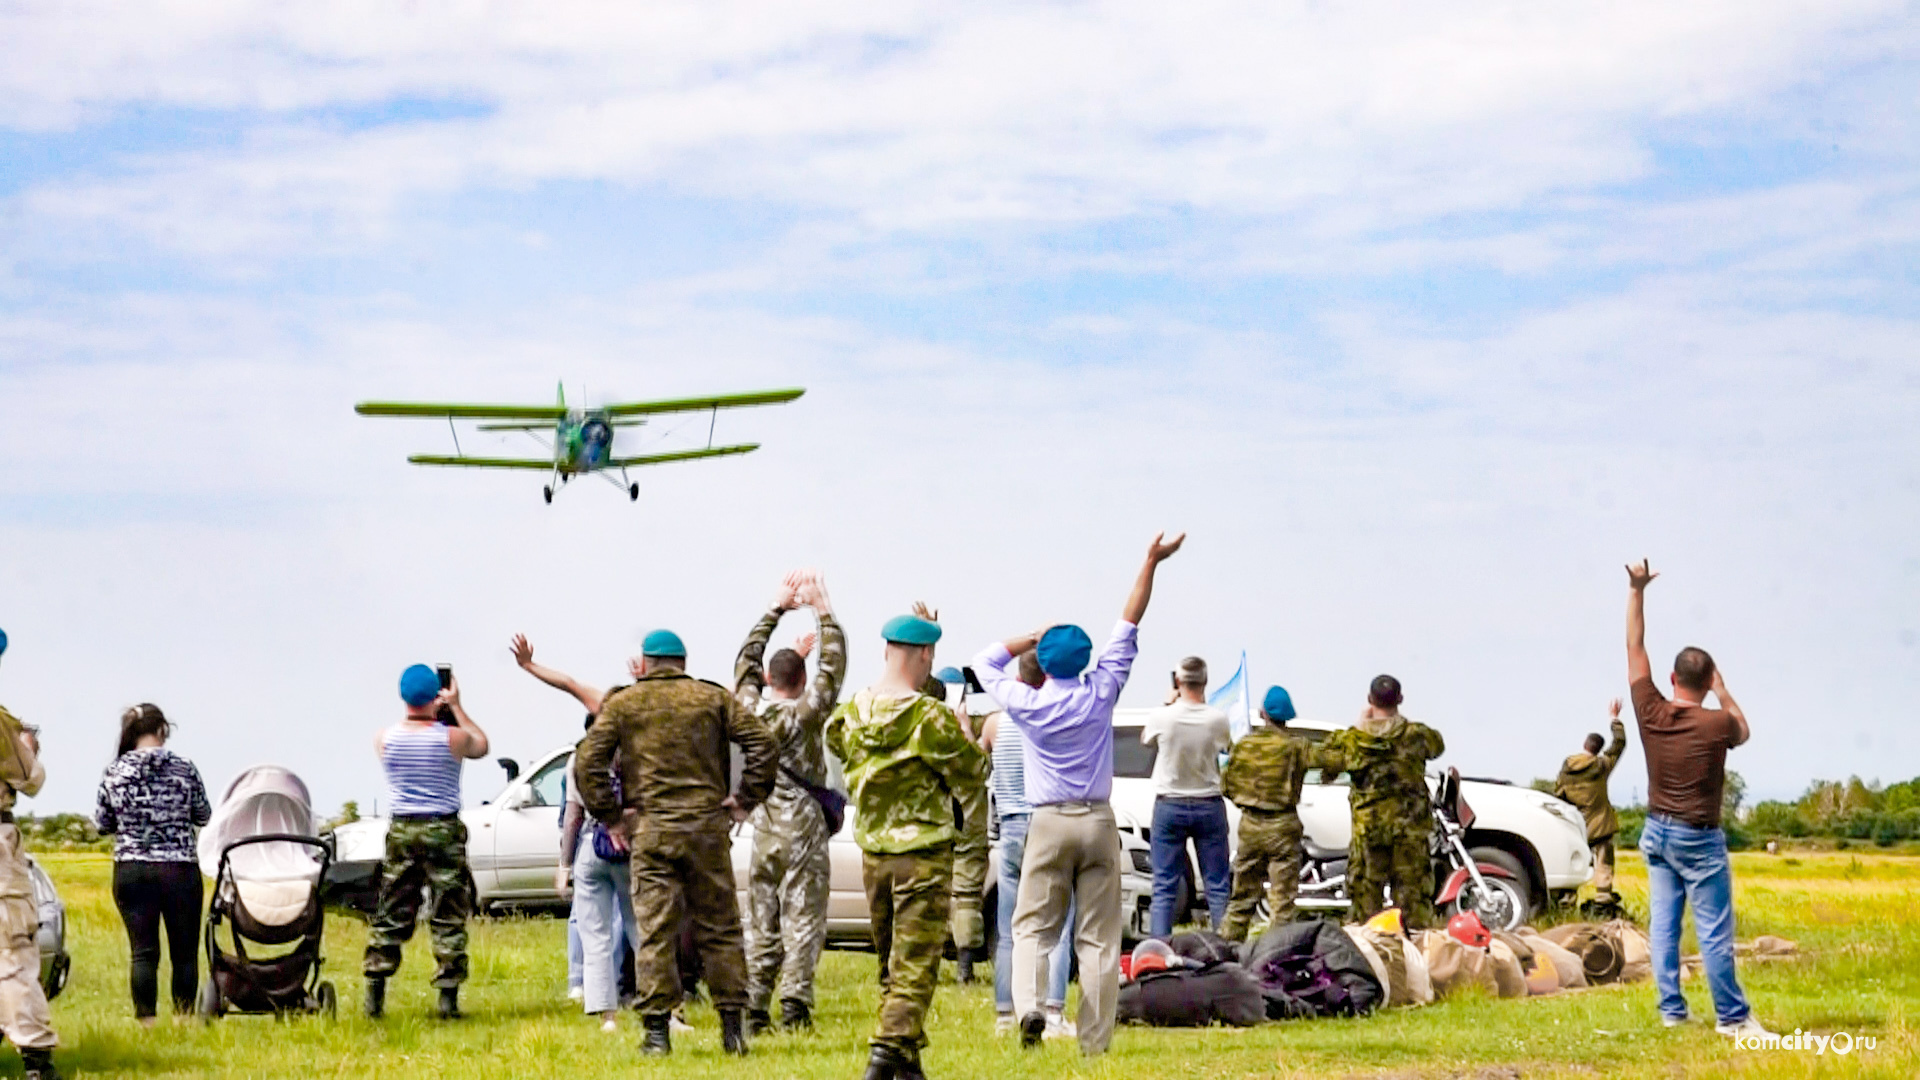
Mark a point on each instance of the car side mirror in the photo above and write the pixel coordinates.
(512, 768)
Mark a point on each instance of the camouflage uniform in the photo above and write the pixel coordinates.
(672, 732)
(1263, 777)
(1583, 782)
(427, 854)
(971, 850)
(790, 876)
(1392, 814)
(908, 762)
(24, 1016)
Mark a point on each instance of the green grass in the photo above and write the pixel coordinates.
(1852, 914)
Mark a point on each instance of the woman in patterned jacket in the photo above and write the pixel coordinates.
(151, 800)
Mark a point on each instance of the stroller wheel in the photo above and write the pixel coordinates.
(211, 1006)
(327, 1000)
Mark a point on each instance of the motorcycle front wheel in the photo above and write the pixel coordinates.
(1501, 905)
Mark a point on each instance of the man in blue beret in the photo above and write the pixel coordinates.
(25, 1019)
(673, 813)
(1073, 843)
(1263, 777)
(908, 763)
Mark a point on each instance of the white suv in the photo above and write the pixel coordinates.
(1539, 839)
(513, 844)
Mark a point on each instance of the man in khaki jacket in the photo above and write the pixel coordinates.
(24, 1017)
(1583, 782)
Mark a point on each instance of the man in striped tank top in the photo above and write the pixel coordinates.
(426, 840)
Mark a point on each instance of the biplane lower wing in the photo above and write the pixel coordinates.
(483, 462)
(683, 455)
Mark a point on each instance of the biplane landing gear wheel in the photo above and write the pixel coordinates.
(328, 1000)
(548, 492)
(633, 492)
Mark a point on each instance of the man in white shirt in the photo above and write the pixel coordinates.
(1189, 735)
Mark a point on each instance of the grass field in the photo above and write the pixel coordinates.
(1852, 914)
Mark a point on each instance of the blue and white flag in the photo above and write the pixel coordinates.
(1236, 700)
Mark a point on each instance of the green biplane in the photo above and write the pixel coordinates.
(582, 438)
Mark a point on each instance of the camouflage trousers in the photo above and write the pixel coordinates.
(1603, 870)
(788, 883)
(423, 855)
(908, 897)
(685, 874)
(1392, 853)
(24, 1016)
(1268, 858)
(970, 853)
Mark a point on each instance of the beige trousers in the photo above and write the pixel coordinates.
(1073, 855)
(24, 1016)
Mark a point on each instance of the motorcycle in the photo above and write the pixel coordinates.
(1486, 889)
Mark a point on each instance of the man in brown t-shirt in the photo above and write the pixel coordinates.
(1686, 747)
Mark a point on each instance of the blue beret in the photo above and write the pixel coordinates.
(3, 641)
(419, 685)
(1064, 651)
(1278, 705)
(663, 643)
(949, 675)
(910, 630)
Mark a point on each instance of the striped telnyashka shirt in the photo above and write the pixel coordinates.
(423, 776)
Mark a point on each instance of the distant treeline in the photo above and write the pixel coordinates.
(1830, 810)
(61, 832)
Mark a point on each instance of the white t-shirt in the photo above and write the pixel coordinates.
(1191, 739)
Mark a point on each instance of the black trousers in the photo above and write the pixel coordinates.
(149, 894)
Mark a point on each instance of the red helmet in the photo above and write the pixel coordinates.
(1467, 929)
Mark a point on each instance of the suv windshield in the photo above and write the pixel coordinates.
(1130, 758)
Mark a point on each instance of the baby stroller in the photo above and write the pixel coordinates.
(266, 862)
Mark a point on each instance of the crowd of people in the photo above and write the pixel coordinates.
(651, 802)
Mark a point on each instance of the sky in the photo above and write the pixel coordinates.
(1421, 320)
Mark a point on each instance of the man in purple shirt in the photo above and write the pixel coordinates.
(1073, 845)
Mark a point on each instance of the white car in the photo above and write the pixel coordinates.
(1540, 840)
(513, 844)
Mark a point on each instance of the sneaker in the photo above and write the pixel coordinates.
(576, 993)
(610, 1026)
(1675, 1021)
(1033, 1027)
(676, 1022)
(1003, 1024)
(1059, 1027)
(1748, 1028)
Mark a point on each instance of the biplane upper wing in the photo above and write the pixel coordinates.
(683, 455)
(483, 462)
(696, 404)
(549, 413)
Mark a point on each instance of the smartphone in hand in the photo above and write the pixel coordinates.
(445, 712)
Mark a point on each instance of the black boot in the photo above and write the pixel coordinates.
(795, 1015)
(39, 1063)
(658, 1041)
(883, 1063)
(909, 1067)
(1033, 1028)
(963, 967)
(759, 1022)
(449, 1008)
(732, 1038)
(376, 998)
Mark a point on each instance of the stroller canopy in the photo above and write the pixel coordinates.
(274, 879)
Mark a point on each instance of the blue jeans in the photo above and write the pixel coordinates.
(603, 904)
(1686, 866)
(575, 957)
(1013, 849)
(1175, 821)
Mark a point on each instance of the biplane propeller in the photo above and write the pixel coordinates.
(582, 438)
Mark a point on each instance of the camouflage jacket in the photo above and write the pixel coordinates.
(20, 768)
(1583, 782)
(794, 724)
(908, 762)
(1266, 769)
(1388, 769)
(671, 731)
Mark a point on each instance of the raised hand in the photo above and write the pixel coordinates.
(1613, 707)
(787, 597)
(805, 645)
(522, 650)
(1160, 551)
(921, 609)
(1638, 575)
